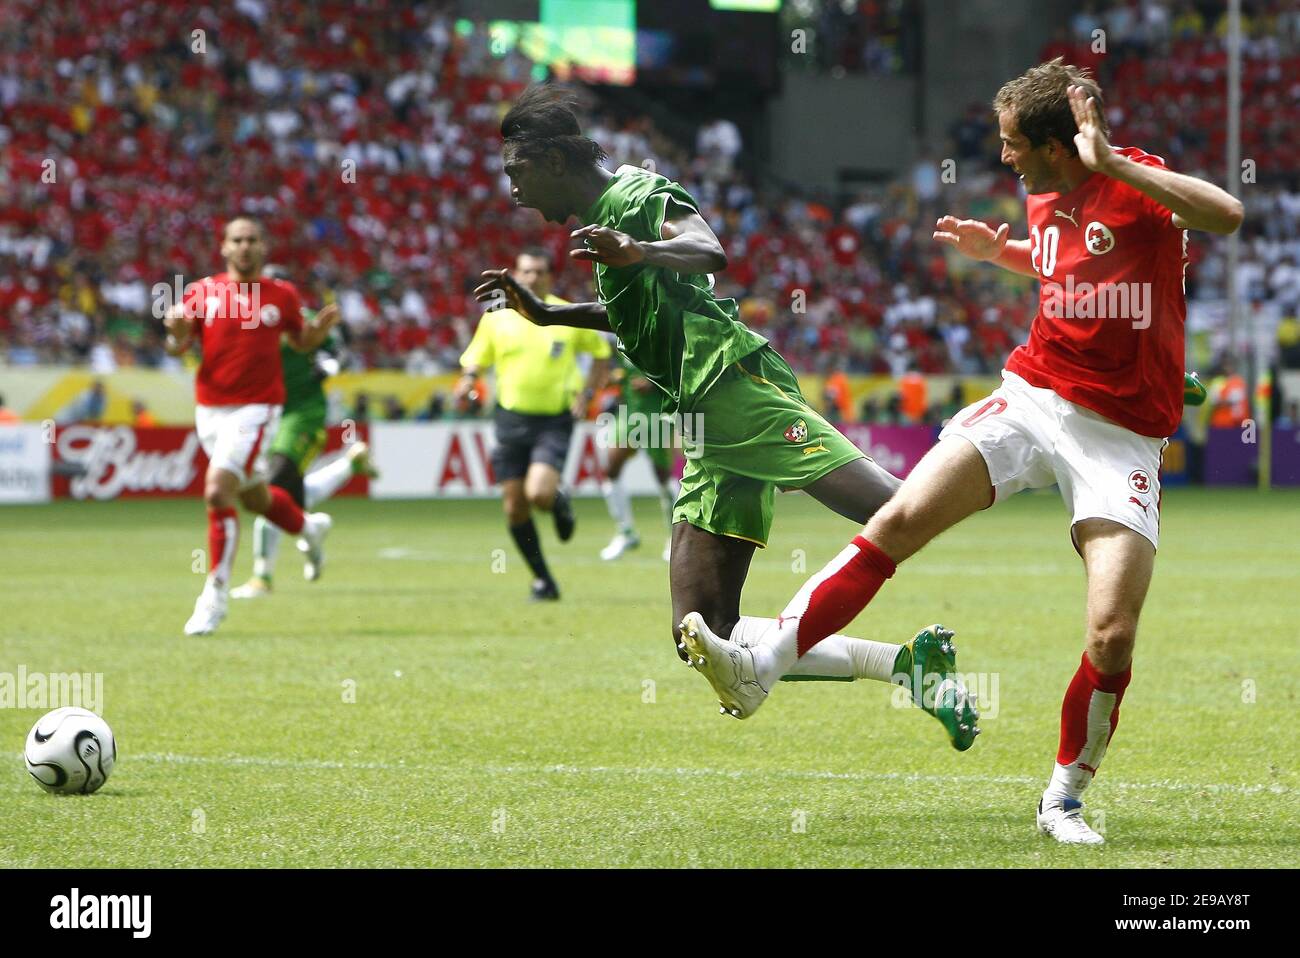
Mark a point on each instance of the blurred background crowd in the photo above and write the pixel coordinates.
(366, 141)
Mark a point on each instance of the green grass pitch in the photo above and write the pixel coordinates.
(487, 731)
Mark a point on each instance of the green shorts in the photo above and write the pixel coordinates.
(630, 431)
(301, 436)
(751, 432)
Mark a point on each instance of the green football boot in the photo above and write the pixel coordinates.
(927, 667)
(1194, 391)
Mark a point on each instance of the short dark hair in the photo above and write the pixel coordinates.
(536, 252)
(261, 230)
(1041, 106)
(543, 119)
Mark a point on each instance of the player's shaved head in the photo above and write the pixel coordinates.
(1038, 101)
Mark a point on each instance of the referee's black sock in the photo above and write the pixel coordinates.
(525, 535)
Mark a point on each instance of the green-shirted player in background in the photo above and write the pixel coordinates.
(747, 428)
(298, 441)
(630, 431)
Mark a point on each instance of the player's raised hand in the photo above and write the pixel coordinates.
(328, 317)
(176, 322)
(971, 237)
(1094, 149)
(499, 284)
(606, 246)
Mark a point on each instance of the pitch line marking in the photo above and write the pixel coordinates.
(234, 761)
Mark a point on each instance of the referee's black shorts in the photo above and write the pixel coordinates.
(523, 439)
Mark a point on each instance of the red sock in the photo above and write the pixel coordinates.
(834, 597)
(223, 537)
(283, 511)
(1089, 715)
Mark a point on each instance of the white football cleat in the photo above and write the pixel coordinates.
(254, 588)
(209, 611)
(1064, 822)
(312, 544)
(622, 542)
(728, 667)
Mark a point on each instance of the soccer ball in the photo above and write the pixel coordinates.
(70, 751)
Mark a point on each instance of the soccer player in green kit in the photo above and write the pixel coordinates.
(746, 426)
(297, 443)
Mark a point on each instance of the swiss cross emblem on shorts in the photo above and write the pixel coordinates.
(1098, 238)
(798, 431)
(1139, 481)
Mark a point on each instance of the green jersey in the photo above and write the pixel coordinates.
(302, 381)
(669, 325)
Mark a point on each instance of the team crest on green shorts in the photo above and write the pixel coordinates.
(798, 431)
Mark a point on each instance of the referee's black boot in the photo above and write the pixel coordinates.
(545, 589)
(562, 510)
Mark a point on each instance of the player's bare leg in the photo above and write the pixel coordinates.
(519, 518)
(1119, 563)
(619, 505)
(856, 490)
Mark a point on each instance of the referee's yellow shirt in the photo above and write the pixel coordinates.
(537, 366)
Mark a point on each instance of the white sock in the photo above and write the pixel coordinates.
(319, 484)
(778, 653)
(836, 656)
(620, 507)
(266, 544)
(668, 491)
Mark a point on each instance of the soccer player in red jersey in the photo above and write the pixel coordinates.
(1086, 403)
(237, 318)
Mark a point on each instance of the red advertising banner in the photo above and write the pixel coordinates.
(123, 462)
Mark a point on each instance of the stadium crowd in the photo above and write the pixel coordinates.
(368, 146)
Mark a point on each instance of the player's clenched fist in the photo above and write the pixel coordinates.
(971, 237)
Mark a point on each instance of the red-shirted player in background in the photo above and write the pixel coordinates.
(1086, 403)
(237, 318)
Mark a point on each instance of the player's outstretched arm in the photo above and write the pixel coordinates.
(981, 242)
(1196, 204)
(317, 331)
(687, 245)
(498, 284)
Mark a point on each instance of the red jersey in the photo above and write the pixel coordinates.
(239, 327)
(1108, 334)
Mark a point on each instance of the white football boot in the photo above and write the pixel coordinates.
(1064, 822)
(312, 544)
(255, 588)
(209, 611)
(728, 667)
(622, 542)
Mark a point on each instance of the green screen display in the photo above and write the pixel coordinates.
(593, 40)
(756, 6)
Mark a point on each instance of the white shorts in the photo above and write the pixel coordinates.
(235, 438)
(1031, 438)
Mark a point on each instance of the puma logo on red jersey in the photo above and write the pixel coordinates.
(1069, 216)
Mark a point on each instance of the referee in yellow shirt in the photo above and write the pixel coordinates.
(539, 393)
